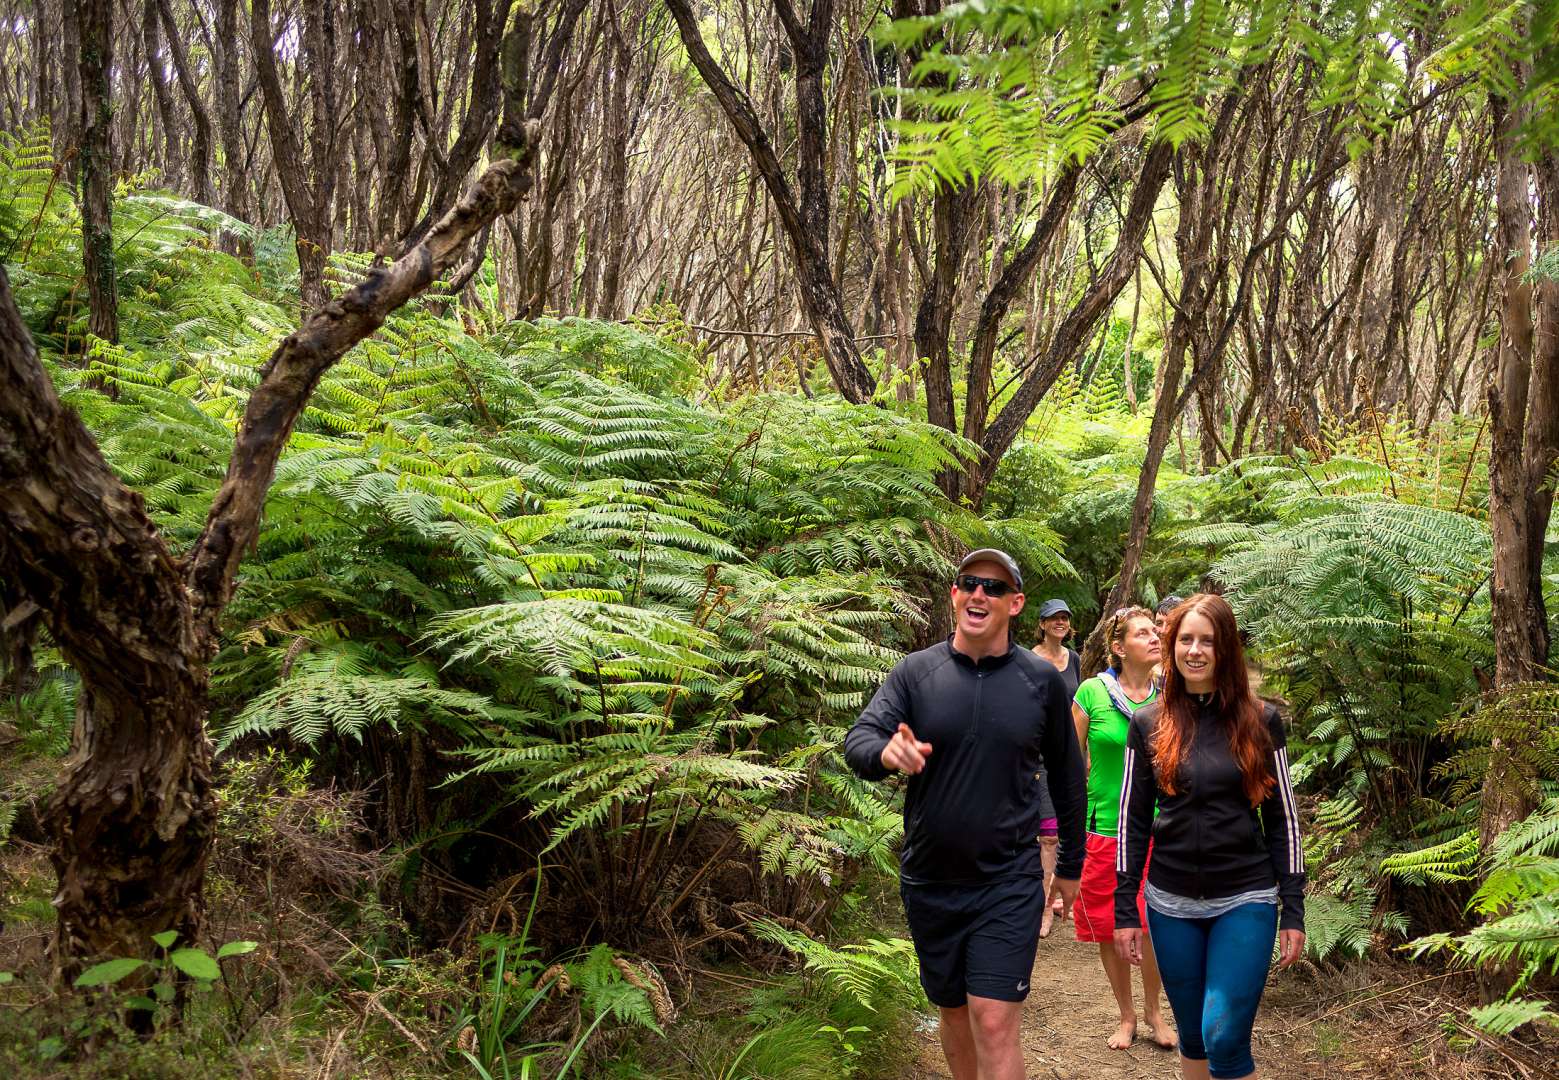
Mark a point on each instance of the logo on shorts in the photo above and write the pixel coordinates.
(1022, 986)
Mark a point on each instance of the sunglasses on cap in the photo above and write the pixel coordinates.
(993, 586)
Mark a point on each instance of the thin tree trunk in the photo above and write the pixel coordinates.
(200, 165)
(96, 60)
(235, 182)
(615, 175)
(172, 158)
(66, 139)
(1522, 439)
(1078, 325)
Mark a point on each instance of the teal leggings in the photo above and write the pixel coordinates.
(1214, 971)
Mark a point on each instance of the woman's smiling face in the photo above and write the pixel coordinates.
(1196, 654)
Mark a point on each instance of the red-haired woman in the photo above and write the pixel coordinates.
(1228, 869)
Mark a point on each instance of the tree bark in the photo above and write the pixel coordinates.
(235, 183)
(308, 184)
(951, 211)
(1523, 391)
(172, 158)
(615, 173)
(200, 165)
(96, 60)
(132, 812)
(1518, 644)
(481, 114)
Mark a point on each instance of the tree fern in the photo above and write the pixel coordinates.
(1373, 609)
(1007, 90)
(870, 972)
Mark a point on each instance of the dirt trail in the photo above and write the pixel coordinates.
(1070, 1014)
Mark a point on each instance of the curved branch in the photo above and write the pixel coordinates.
(295, 368)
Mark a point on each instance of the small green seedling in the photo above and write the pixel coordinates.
(194, 962)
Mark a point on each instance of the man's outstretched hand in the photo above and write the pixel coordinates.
(905, 752)
(1066, 889)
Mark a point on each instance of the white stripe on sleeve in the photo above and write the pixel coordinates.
(1120, 821)
(1296, 851)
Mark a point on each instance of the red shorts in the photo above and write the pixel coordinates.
(1093, 915)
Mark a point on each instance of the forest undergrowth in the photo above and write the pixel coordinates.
(529, 703)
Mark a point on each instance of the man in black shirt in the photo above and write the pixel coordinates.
(970, 720)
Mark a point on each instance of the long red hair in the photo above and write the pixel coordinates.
(1236, 706)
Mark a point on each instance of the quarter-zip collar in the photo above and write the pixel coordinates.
(985, 663)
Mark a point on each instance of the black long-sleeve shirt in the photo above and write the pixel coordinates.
(1208, 841)
(972, 814)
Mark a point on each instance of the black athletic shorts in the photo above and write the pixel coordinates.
(975, 939)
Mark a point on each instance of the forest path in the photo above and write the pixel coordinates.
(1070, 1013)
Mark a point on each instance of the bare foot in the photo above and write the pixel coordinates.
(1163, 1035)
(1124, 1035)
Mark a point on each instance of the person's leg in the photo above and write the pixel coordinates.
(939, 924)
(1193, 1068)
(999, 965)
(1239, 952)
(1152, 987)
(1181, 947)
(997, 1026)
(1093, 919)
(1118, 971)
(1048, 846)
(958, 1043)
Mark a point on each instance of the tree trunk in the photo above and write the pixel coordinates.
(134, 813)
(615, 176)
(172, 163)
(1523, 391)
(308, 185)
(1077, 327)
(96, 20)
(1517, 632)
(950, 226)
(481, 114)
(235, 184)
(200, 165)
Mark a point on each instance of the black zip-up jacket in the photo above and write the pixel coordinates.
(1208, 842)
(972, 814)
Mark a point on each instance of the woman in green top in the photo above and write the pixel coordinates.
(1102, 712)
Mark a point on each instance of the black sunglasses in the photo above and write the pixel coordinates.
(993, 586)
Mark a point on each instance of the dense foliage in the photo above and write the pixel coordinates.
(529, 701)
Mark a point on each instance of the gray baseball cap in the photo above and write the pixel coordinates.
(1053, 607)
(995, 555)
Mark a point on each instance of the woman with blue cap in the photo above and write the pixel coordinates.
(1055, 623)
